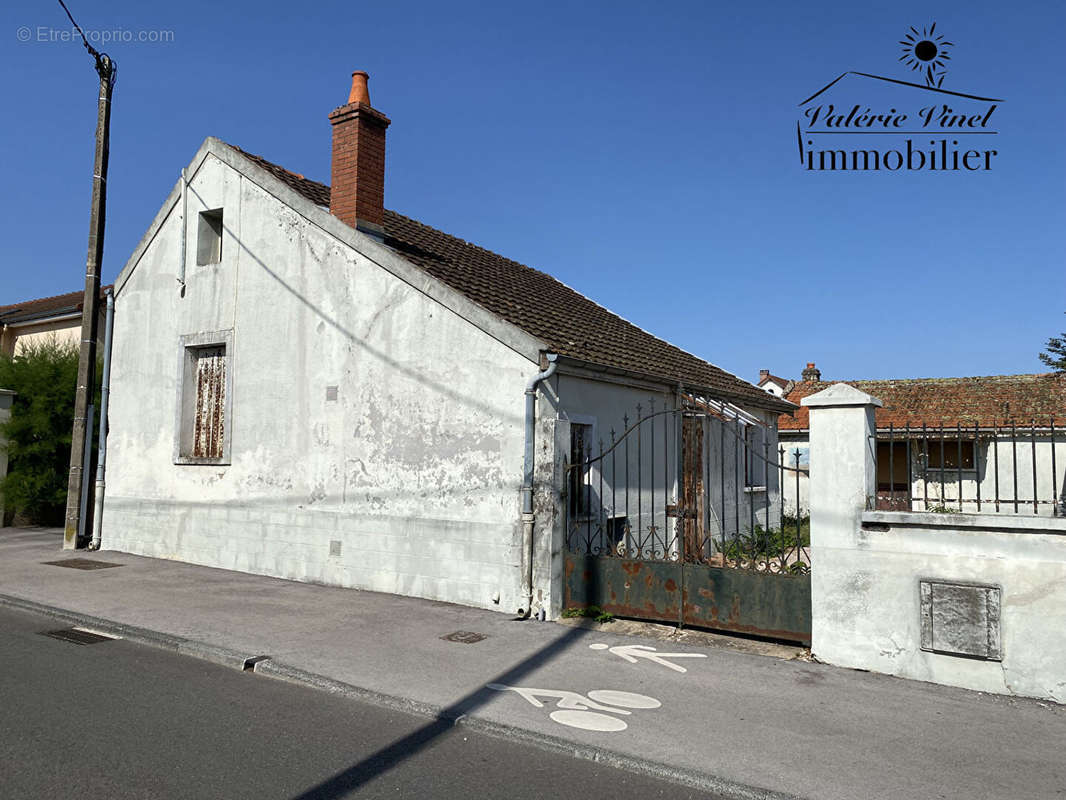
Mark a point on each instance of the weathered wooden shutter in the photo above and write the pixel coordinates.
(209, 431)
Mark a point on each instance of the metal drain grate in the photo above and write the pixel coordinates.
(77, 636)
(464, 637)
(81, 563)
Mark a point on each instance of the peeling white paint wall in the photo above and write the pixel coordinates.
(869, 603)
(414, 468)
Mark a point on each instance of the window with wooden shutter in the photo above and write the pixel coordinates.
(205, 407)
(209, 425)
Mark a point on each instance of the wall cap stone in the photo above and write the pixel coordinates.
(840, 395)
(1003, 523)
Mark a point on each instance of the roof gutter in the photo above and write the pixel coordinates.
(772, 403)
(39, 319)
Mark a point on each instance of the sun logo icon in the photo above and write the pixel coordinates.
(926, 52)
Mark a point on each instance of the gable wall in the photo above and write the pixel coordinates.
(414, 468)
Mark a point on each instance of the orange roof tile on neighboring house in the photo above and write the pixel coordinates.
(990, 400)
(568, 322)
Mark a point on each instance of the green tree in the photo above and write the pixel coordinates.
(1055, 357)
(44, 375)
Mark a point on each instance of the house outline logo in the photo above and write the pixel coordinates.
(880, 106)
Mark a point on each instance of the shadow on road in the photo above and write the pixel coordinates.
(388, 757)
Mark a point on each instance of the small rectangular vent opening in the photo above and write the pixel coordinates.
(334, 547)
(209, 238)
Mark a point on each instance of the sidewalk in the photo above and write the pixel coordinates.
(731, 721)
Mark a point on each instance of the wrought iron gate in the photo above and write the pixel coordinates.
(682, 518)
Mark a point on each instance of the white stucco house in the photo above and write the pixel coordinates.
(307, 385)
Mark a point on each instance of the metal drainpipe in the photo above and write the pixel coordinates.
(105, 388)
(528, 517)
(184, 227)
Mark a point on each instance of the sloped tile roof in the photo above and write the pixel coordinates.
(995, 399)
(568, 322)
(775, 379)
(45, 306)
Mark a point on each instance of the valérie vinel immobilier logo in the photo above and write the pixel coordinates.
(911, 126)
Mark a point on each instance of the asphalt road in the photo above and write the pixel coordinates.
(120, 720)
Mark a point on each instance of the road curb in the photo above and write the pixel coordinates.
(269, 668)
(206, 652)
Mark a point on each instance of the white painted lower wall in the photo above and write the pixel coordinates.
(867, 605)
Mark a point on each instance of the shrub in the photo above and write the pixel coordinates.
(44, 375)
(767, 544)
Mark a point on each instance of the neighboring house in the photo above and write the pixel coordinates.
(776, 386)
(47, 318)
(944, 440)
(329, 391)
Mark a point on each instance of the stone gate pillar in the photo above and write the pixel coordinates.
(843, 479)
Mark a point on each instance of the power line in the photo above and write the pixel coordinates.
(104, 64)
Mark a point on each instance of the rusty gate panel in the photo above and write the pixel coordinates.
(778, 606)
(623, 587)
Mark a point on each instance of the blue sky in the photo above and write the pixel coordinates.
(644, 154)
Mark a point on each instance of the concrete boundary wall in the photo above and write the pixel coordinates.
(970, 600)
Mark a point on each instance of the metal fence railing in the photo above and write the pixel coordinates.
(973, 467)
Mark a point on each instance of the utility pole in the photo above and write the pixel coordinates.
(73, 534)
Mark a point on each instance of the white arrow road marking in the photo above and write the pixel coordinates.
(632, 652)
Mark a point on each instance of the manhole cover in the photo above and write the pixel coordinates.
(464, 637)
(77, 636)
(81, 563)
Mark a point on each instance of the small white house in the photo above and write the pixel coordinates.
(994, 444)
(307, 385)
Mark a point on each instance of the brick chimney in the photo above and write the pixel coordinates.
(811, 374)
(357, 183)
(763, 375)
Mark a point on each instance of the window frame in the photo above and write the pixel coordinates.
(752, 458)
(210, 230)
(576, 509)
(951, 449)
(188, 345)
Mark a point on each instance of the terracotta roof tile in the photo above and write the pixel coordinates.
(568, 322)
(994, 399)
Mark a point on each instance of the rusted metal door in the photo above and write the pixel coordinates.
(692, 488)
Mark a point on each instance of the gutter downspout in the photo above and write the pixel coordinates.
(105, 389)
(184, 227)
(528, 517)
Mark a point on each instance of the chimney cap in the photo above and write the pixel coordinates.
(359, 92)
